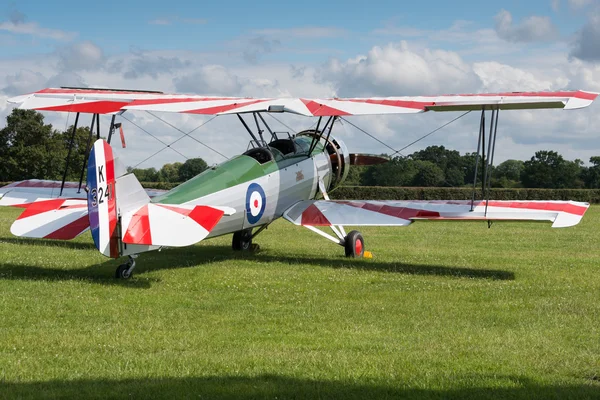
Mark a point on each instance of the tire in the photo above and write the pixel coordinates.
(242, 240)
(355, 245)
(121, 272)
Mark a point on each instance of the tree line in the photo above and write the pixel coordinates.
(29, 148)
(441, 167)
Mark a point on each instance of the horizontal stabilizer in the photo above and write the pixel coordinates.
(402, 213)
(170, 225)
(62, 219)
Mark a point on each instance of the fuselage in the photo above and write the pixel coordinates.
(259, 184)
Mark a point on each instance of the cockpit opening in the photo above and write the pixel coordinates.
(261, 154)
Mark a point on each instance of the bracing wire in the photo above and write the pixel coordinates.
(371, 136)
(433, 131)
(188, 134)
(272, 116)
(165, 144)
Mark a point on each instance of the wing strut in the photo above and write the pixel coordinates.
(95, 117)
(71, 143)
(487, 162)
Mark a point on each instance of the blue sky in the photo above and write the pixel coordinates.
(315, 49)
(207, 26)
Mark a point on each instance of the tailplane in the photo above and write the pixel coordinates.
(124, 221)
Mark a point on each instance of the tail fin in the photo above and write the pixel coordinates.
(102, 199)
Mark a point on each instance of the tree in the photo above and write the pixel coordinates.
(399, 171)
(190, 168)
(28, 147)
(548, 169)
(450, 163)
(144, 174)
(355, 175)
(591, 175)
(428, 174)
(169, 172)
(508, 173)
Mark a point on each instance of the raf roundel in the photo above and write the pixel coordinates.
(255, 203)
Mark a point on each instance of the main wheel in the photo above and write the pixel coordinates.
(242, 240)
(122, 272)
(355, 245)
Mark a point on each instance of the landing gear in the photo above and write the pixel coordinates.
(125, 271)
(242, 240)
(354, 245)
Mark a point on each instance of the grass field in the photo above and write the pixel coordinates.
(443, 310)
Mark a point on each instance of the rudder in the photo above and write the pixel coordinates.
(101, 199)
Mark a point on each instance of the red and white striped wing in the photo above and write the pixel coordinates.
(113, 101)
(170, 225)
(402, 213)
(62, 219)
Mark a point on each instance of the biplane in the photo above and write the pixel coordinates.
(280, 175)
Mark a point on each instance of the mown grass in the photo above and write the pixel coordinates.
(443, 310)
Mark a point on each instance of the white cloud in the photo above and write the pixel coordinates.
(498, 77)
(80, 56)
(586, 45)
(23, 81)
(34, 29)
(396, 70)
(531, 29)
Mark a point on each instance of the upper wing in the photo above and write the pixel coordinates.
(103, 101)
(402, 213)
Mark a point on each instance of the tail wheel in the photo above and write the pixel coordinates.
(242, 240)
(355, 245)
(122, 272)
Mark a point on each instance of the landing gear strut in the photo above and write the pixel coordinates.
(354, 245)
(242, 240)
(125, 271)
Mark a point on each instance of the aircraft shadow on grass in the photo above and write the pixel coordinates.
(199, 255)
(282, 387)
(196, 256)
(47, 242)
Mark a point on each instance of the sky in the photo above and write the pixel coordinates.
(313, 49)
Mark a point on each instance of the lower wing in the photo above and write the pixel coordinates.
(402, 213)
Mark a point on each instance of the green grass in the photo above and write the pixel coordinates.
(443, 310)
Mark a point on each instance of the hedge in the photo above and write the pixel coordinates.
(436, 193)
(443, 193)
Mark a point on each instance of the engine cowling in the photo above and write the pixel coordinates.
(338, 156)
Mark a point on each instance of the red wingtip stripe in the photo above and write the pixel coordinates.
(535, 205)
